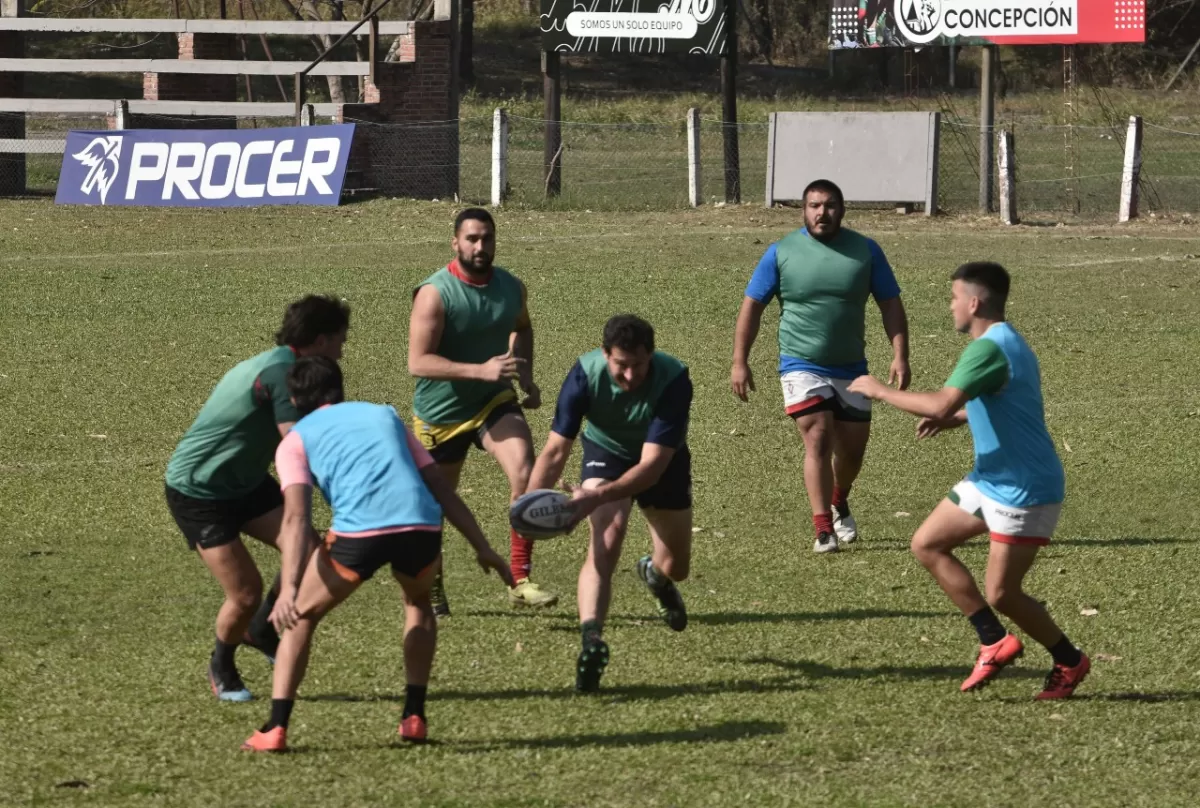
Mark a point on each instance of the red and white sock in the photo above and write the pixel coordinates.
(520, 555)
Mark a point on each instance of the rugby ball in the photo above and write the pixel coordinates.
(541, 514)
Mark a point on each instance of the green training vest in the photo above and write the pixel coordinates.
(618, 421)
(479, 321)
(823, 291)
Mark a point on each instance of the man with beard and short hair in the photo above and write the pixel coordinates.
(469, 337)
(823, 275)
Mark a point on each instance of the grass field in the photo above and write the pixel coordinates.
(802, 680)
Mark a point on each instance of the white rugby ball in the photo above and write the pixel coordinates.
(541, 514)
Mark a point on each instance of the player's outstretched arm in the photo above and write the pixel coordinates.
(425, 333)
(745, 332)
(295, 548)
(459, 515)
(548, 469)
(942, 405)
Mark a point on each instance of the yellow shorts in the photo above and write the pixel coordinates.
(449, 443)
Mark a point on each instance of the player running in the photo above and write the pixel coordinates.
(823, 275)
(388, 498)
(1015, 491)
(218, 485)
(469, 337)
(637, 402)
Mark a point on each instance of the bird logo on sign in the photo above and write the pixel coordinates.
(102, 159)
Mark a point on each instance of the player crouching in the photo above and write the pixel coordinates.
(636, 401)
(388, 499)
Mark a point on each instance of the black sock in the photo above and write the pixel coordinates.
(590, 631)
(1065, 653)
(261, 633)
(222, 657)
(987, 626)
(281, 713)
(414, 700)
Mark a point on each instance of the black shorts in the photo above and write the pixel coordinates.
(211, 523)
(455, 450)
(409, 552)
(672, 492)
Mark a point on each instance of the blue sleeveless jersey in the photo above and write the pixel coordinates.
(359, 457)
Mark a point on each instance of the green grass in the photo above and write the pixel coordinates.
(802, 680)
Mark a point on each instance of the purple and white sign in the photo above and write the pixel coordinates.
(302, 165)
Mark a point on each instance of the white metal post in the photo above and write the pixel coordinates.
(1132, 170)
(1008, 178)
(695, 188)
(499, 156)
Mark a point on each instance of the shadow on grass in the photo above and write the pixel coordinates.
(896, 545)
(725, 618)
(618, 693)
(1143, 698)
(723, 732)
(819, 670)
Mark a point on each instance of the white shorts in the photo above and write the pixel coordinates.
(1006, 523)
(805, 392)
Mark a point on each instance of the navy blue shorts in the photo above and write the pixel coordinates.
(672, 492)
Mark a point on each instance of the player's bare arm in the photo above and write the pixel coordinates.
(548, 469)
(649, 469)
(458, 514)
(895, 325)
(521, 347)
(741, 379)
(942, 405)
(425, 333)
(294, 549)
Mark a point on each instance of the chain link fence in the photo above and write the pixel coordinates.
(1060, 170)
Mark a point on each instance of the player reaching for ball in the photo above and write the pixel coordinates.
(387, 497)
(1014, 493)
(469, 337)
(637, 402)
(219, 486)
(823, 275)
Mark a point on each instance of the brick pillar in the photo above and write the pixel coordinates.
(407, 139)
(12, 85)
(193, 87)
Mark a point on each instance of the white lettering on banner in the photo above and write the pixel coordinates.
(701, 10)
(279, 167)
(139, 171)
(192, 171)
(923, 21)
(231, 152)
(630, 24)
(251, 190)
(313, 172)
(182, 177)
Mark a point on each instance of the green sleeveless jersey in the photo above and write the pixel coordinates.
(618, 421)
(229, 448)
(479, 321)
(823, 291)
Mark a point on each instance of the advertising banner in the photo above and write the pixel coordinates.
(634, 26)
(302, 165)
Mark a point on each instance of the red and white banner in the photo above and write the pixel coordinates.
(914, 23)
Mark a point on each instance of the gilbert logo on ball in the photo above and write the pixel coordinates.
(541, 514)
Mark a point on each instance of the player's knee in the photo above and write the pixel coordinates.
(818, 441)
(1001, 597)
(520, 481)
(923, 550)
(247, 597)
